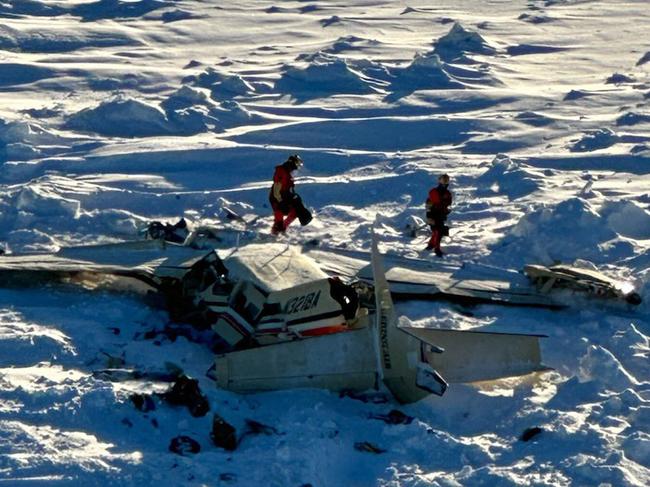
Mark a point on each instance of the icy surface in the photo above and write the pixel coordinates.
(116, 112)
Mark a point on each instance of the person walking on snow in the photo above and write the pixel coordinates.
(437, 205)
(286, 204)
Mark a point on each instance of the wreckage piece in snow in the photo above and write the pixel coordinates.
(591, 282)
(273, 293)
(408, 361)
(472, 283)
(410, 279)
(259, 293)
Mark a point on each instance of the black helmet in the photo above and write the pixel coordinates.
(294, 160)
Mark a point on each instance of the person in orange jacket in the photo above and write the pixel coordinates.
(438, 207)
(284, 201)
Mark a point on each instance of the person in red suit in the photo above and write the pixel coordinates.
(283, 198)
(438, 207)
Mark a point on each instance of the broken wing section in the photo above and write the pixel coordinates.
(148, 261)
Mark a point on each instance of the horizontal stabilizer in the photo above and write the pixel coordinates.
(472, 356)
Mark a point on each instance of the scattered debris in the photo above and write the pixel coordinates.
(366, 446)
(395, 416)
(176, 233)
(182, 445)
(223, 434)
(257, 428)
(143, 402)
(367, 397)
(186, 392)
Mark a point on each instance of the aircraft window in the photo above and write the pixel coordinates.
(238, 302)
(271, 309)
(346, 296)
(251, 312)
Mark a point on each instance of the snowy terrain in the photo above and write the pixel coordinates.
(117, 112)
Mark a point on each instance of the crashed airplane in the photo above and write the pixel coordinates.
(316, 318)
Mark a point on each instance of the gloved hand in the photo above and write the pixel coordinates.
(284, 206)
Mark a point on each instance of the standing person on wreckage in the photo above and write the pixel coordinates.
(437, 206)
(286, 204)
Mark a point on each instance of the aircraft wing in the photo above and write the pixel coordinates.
(420, 279)
(142, 259)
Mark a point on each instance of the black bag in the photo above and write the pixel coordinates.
(445, 231)
(304, 215)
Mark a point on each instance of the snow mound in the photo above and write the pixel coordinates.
(30, 7)
(632, 118)
(576, 95)
(13, 74)
(634, 348)
(619, 78)
(231, 113)
(111, 222)
(27, 133)
(324, 75)
(641, 149)
(41, 200)
(121, 117)
(600, 365)
(222, 86)
(426, 71)
(56, 42)
(24, 240)
(22, 141)
(459, 41)
(535, 19)
(534, 119)
(350, 43)
(187, 111)
(88, 11)
(627, 218)
(644, 59)
(128, 81)
(569, 230)
(231, 86)
(185, 97)
(637, 448)
(190, 111)
(29, 342)
(429, 71)
(505, 176)
(595, 140)
(176, 15)
(118, 9)
(333, 20)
